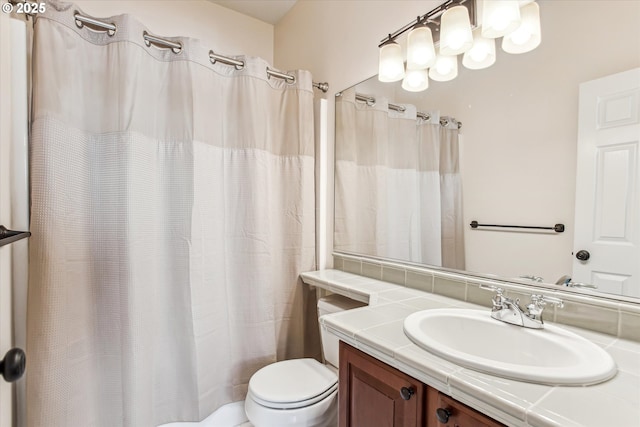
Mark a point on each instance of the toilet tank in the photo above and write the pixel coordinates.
(333, 304)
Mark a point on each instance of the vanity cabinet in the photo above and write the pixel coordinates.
(372, 393)
(444, 411)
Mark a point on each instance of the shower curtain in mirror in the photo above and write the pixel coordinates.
(398, 192)
(172, 211)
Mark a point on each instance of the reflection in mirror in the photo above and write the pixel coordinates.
(405, 191)
(398, 190)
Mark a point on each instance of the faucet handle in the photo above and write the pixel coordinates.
(538, 302)
(499, 300)
(542, 300)
(495, 289)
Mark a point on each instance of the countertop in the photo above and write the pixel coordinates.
(377, 330)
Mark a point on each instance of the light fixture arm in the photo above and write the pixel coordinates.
(387, 41)
(432, 19)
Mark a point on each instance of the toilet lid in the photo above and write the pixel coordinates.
(292, 384)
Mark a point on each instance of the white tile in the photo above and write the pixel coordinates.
(445, 301)
(326, 275)
(470, 306)
(399, 294)
(612, 403)
(395, 311)
(512, 397)
(379, 286)
(630, 308)
(359, 295)
(424, 303)
(431, 365)
(628, 361)
(597, 337)
(356, 280)
(627, 345)
(385, 338)
(352, 321)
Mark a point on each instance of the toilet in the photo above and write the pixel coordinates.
(300, 392)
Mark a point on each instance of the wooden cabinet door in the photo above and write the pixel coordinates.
(370, 393)
(456, 413)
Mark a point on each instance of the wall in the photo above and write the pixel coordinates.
(226, 31)
(338, 43)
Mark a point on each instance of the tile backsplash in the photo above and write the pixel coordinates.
(597, 314)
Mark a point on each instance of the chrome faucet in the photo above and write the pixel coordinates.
(566, 281)
(508, 310)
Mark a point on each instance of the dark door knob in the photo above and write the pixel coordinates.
(443, 415)
(583, 255)
(406, 393)
(13, 365)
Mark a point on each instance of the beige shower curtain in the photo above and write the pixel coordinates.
(172, 211)
(398, 191)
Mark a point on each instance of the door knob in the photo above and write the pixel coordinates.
(13, 365)
(583, 255)
(406, 393)
(443, 414)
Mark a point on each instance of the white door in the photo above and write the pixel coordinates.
(607, 221)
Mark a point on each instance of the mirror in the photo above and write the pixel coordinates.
(514, 163)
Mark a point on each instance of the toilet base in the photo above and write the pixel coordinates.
(320, 414)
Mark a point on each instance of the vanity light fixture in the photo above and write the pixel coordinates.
(482, 54)
(499, 17)
(391, 65)
(527, 36)
(452, 27)
(455, 37)
(446, 68)
(421, 52)
(415, 81)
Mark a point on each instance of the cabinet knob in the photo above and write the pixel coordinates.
(13, 365)
(406, 393)
(443, 415)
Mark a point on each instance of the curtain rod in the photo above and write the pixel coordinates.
(371, 101)
(176, 47)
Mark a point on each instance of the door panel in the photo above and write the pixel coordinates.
(607, 217)
(370, 393)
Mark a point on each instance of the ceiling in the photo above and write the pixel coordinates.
(269, 11)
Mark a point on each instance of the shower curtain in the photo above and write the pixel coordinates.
(172, 211)
(398, 191)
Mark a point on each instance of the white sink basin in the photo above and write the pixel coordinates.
(471, 338)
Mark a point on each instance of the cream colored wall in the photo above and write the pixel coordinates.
(338, 41)
(226, 32)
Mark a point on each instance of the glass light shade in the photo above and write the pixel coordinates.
(415, 81)
(445, 69)
(482, 54)
(455, 36)
(499, 17)
(391, 64)
(527, 36)
(421, 53)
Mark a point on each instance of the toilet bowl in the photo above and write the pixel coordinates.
(300, 392)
